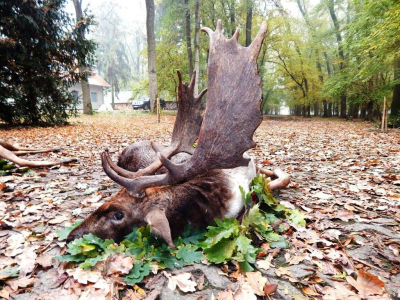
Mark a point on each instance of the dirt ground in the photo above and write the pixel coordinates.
(345, 179)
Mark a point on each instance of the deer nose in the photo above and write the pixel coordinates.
(74, 234)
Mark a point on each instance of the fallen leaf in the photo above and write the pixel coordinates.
(295, 260)
(322, 196)
(257, 282)
(120, 264)
(20, 282)
(83, 276)
(270, 288)
(265, 263)
(367, 284)
(309, 290)
(182, 281)
(339, 292)
(59, 219)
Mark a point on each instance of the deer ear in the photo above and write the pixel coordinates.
(159, 225)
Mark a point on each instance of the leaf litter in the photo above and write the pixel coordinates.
(345, 180)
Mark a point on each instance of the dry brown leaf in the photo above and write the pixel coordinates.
(322, 196)
(83, 276)
(265, 263)
(182, 281)
(4, 294)
(284, 272)
(120, 264)
(367, 284)
(27, 261)
(338, 292)
(131, 295)
(270, 288)
(257, 282)
(310, 291)
(225, 295)
(295, 260)
(245, 292)
(45, 260)
(20, 282)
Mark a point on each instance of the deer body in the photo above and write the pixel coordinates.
(169, 187)
(215, 194)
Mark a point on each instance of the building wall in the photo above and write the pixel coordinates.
(96, 93)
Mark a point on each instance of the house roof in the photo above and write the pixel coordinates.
(96, 79)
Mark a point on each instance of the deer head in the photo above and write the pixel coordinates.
(168, 201)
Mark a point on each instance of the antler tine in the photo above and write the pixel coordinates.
(188, 119)
(185, 132)
(231, 117)
(282, 181)
(236, 34)
(255, 46)
(132, 185)
(118, 170)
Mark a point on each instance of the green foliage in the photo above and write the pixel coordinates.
(140, 270)
(7, 168)
(63, 233)
(39, 49)
(228, 240)
(232, 240)
(141, 245)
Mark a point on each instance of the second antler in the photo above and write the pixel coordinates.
(11, 153)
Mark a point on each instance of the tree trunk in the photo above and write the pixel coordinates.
(343, 98)
(330, 112)
(316, 109)
(112, 95)
(395, 107)
(249, 17)
(151, 50)
(196, 45)
(188, 38)
(86, 101)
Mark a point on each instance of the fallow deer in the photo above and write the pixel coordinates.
(11, 153)
(198, 184)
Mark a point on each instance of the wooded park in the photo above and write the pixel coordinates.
(277, 176)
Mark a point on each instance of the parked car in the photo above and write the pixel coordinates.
(144, 103)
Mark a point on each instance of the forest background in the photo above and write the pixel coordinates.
(324, 58)
(320, 58)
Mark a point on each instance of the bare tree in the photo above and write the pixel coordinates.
(87, 104)
(151, 50)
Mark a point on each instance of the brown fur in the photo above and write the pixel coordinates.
(196, 202)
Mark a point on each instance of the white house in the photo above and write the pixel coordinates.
(122, 100)
(97, 86)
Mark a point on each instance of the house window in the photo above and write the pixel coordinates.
(75, 95)
(93, 96)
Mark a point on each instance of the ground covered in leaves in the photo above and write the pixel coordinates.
(345, 180)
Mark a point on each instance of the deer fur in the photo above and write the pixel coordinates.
(169, 187)
(167, 209)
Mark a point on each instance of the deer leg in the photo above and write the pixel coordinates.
(7, 154)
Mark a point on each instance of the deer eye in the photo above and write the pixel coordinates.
(118, 216)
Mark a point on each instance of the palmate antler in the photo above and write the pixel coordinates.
(231, 117)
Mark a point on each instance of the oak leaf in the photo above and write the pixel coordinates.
(182, 281)
(367, 284)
